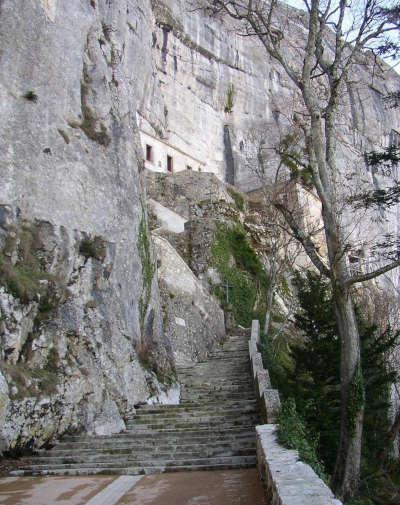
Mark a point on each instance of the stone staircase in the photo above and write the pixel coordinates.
(212, 428)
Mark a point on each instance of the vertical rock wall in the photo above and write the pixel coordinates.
(72, 75)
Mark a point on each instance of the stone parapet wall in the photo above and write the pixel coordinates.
(269, 398)
(288, 481)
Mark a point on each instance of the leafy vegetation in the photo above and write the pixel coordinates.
(238, 198)
(244, 280)
(23, 270)
(308, 371)
(31, 96)
(93, 247)
(230, 96)
(293, 434)
(148, 268)
(34, 382)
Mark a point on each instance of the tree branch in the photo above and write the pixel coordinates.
(371, 275)
(304, 239)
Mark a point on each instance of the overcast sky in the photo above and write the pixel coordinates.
(300, 5)
(295, 3)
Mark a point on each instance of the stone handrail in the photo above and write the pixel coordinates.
(269, 398)
(288, 481)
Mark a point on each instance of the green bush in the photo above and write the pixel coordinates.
(24, 277)
(148, 268)
(230, 96)
(31, 96)
(93, 247)
(239, 268)
(294, 434)
(237, 198)
(309, 370)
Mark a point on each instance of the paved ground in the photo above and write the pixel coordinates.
(50, 490)
(230, 487)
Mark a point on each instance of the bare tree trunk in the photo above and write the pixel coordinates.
(345, 479)
(346, 475)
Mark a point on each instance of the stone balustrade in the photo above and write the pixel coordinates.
(288, 481)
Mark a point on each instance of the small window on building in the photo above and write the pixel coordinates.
(170, 164)
(188, 167)
(149, 153)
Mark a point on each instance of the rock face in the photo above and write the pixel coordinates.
(192, 317)
(78, 81)
(70, 167)
(233, 98)
(66, 361)
(179, 191)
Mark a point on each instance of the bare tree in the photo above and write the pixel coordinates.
(338, 32)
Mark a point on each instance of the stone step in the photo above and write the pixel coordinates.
(173, 449)
(215, 381)
(191, 425)
(131, 470)
(132, 456)
(177, 421)
(221, 387)
(194, 415)
(219, 370)
(240, 377)
(236, 436)
(212, 396)
(240, 353)
(213, 431)
(123, 462)
(191, 413)
(228, 364)
(236, 405)
(212, 428)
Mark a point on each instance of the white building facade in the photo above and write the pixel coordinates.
(160, 156)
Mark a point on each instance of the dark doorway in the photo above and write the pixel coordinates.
(149, 153)
(170, 164)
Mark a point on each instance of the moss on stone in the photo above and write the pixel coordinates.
(34, 382)
(238, 198)
(229, 100)
(22, 271)
(148, 268)
(241, 270)
(93, 247)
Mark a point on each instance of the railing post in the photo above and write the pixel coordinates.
(255, 331)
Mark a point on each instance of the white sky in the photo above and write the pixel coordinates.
(295, 3)
(300, 4)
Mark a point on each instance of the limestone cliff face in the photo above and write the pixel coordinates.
(219, 98)
(199, 59)
(78, 80)
(72, 75)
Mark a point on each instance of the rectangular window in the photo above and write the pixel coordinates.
(170, 165)
(149, 153)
